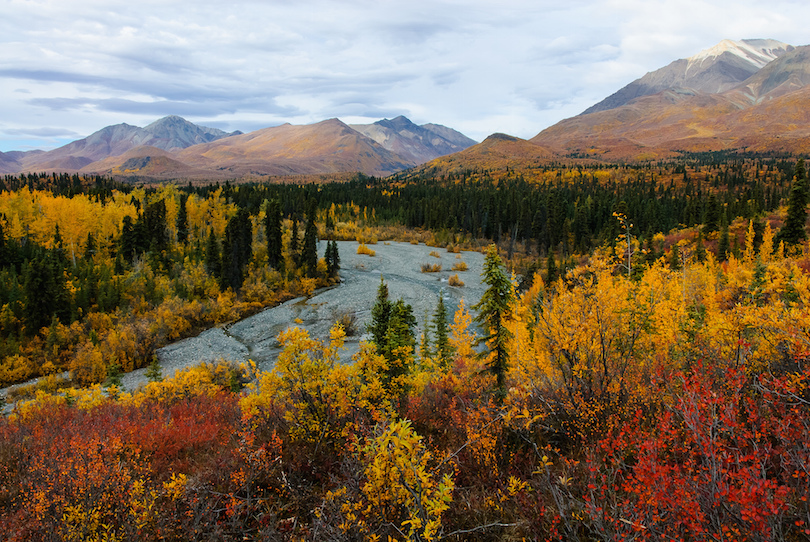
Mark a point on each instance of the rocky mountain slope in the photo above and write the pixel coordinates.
(416, 144)
(711, 71)
(768, 111)
(168, 133)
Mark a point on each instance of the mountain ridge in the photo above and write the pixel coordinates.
(415, 143)
(765, 112)
(713, 70)
(161, 150)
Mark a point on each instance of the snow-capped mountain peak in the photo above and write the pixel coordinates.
(758, 52)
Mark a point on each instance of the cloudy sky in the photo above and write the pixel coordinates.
(68, 69)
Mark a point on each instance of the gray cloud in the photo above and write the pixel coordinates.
(45, 132)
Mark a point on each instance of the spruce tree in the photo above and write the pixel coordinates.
(156, 232)
(38, 307)
(294, 242)
(309, 250)
(723, 245)
(440, 328)
(399, 334)
(237, 249)
(127, 242)
(793, 231)
(212, 258)
(380, 314)
(700, 249)
(272, 228)
(182, 221)
(494, 310)
(551, 269)
(332, 258)
(712, 220)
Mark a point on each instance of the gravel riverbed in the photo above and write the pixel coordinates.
(254, 338)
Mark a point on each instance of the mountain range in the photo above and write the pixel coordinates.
(174, 148)
(747, 95)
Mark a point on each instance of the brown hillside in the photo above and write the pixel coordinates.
(498, 151)
(326, 147)
(767, 112)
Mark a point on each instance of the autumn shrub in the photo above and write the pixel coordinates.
(453, 280)
(721, 462)
(363, 249)
(348, 319)
(459, 266)
(431, 267)
(435, 254)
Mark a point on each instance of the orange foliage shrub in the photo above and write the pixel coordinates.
(363, 249)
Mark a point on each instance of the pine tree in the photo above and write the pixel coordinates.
(272, 228)
(380, 314)
(712, 220)
(332, 258)
(38, 307)
(182, 221)
(440, 327)
(494, 310)
(399, 339)
(309, 250)
(154, 373)
(237, 249)
(212, 257)
(723, 244)
(154, 221)
(675, 257)
(551, 269)
(700, 249)
(294, 242)
(793, 231)
(127, 242)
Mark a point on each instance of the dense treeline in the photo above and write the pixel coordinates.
(567, 210)
(93, 279)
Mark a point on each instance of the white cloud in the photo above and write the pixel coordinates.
(477, 66)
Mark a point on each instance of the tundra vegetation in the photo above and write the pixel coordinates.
(643, 372)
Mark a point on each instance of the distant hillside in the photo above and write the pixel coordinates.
(496, 152)
(326, 147)
(168, 133)
(416, 144)
(711, 71)
(768, 112)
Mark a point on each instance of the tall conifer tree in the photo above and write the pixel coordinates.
(793, 231)
(272, 229)
(494, 310)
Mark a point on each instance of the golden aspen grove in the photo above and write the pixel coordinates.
(637, 370)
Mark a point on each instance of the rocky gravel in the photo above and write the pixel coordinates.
(399, 264)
